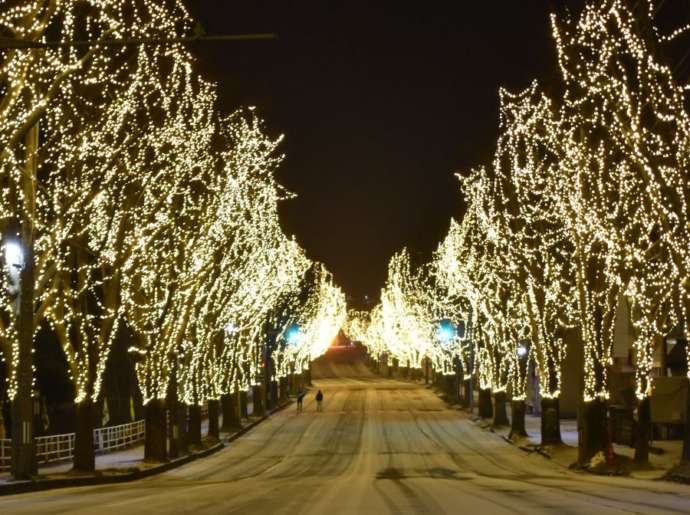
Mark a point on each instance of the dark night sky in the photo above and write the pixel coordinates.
(380, 105)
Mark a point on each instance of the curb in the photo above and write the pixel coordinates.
(38, 485)
(22, 487)
(678, 474)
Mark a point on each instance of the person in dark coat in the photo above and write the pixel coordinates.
(300, 398)
(319, 400)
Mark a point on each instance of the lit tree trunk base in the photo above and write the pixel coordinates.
(453, 389)
(231, 412)
(155, 439)
(500, 413)
(257, 399)
(550, 421)
(244, 412)
(447, 387)
(467, 394)
(644, 433)
(176, 430)
(486, 410)
(437, 379)
(84, 454)
(593, 431)
(686, 436)
(213, 422)
(272, 396)
(194, 429)
(172, 405)
(682, 471)
(283, 389)
(296, 384)
(517, 420)
(307, 374)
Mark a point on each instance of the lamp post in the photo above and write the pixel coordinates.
(294, 336)
(447, 334)
(518, 406)
(24, 464)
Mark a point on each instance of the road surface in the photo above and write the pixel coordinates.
(379, 447)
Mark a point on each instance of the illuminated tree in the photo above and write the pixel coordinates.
(452, 264)
(538, 246)
(357, 325)
(407, 326)
(74, 197)
(322, 314)
(210, 261)
(492, 274)
(624, 132)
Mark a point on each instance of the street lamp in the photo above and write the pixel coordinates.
(14, 257)
(521, 351)
(230, 329)
(446, 332)
(14, 260)
(294, 335)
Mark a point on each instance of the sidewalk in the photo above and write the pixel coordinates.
(668, 454)
(124, 460)
(122, 466)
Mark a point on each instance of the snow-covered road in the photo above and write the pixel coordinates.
(379, 447)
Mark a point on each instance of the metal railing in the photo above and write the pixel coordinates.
(106, 439)
(61, 447)
(54, 447)
(5, 453)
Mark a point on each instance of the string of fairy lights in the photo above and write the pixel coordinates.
(583, 208)
(153, 212)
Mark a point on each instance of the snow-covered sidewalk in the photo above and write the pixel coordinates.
(122, 462)
(665, 455)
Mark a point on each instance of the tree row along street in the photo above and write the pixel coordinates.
(138, 220)
(380, 446)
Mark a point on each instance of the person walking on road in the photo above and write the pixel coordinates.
(300, 398)
(319, 400)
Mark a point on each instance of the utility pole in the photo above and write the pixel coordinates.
(24, 464)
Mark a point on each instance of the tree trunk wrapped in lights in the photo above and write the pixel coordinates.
(231, 412)
(484, 407)
(194, 436)
(213, 418)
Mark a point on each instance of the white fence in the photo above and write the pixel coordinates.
(61, 447)
(106, 439)
(5, 453)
